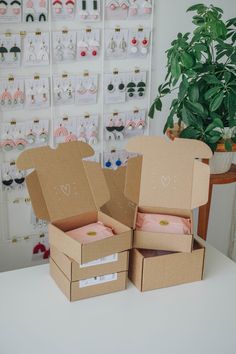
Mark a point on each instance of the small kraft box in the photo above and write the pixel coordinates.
(98, 277)
(68, 192)
(167, 179)
(151, 269)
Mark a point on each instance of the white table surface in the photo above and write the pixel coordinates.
(36, 318)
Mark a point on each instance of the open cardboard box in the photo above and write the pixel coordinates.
(155, 272)
(168, 179)
(78, 281)
(69, 192)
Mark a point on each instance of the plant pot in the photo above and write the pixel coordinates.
(221, 161)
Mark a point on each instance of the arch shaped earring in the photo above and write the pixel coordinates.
(42, 17)
(60, 131)
(70, 137)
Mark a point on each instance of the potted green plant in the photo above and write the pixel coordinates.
(201, 71)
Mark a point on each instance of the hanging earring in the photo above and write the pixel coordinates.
(39, 248)
(60, 131)
(3, 51)
(46, 254)
(58, 92)
(140, 123)
(111, 46)
(133, 9)
(42, 18)
(93, 46)
(69, 91)
(83, 48)
(144, 46)
(81, 90)
(110, 127)
(31, 137)
(146, 7)
(43, 52)
(95, 13)
(7, 180)
(134, 45)
(30, 53)
(118, 162)
(119, 125)
(20, 142)
(16, 7)
(123, 45)
(31, 95)
(59, 50)
(92, 88)
(43, 92)
(81, 133)
(113, 5)
(93, 135)
(70, 5)
(111, 87)
(43, 136)
(83, 13)
(119, 135)
(3, 7)
(7, 143)
(15, 50)
(121, 87)
(108, 163)
(71, 50)
(57, 6)
(70, 137)
(124, 4)
(130, 124)
(6, 98)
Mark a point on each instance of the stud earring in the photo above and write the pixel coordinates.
(134, 45)
(146, 7)
(108, 164)
(60, 131)
(57, 6)
(43, 136)
(111, 87)
(70, 137)
(6, 98)
(111, 46)
(70, 5)
(133, 9)
(3, 7)
(7, 180)
(31, 137)
(93, 135)
(3, 51)
(82, 133)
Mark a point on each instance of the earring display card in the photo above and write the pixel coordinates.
(114, 86)
(10, 50)
(138, 43)
(89, 10)
(136, 84)
(88, 43)
(65, 130)
(64, 89)
(64, 46)
(35, 10)
(12, 94)
(86, 89)
(36, 49)
(116, 43)
(37, 93)
(63, 9)
(116, 159)
(10, 11)
(116, 9)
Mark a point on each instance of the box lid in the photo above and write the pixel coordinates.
(171, 176)
(59, 185)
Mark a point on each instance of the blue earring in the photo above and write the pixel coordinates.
(118, 162)
(108, 164)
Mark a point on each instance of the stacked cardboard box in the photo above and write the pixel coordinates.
(172, 181)
(69, 192)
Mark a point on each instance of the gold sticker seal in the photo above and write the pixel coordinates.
(164, 222)
(91, 233)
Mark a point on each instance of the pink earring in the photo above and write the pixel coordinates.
(29, 4)
(147, 7)
(144, 45)
(81, 132)
(140, 124)
(42, 3)
(16, 9)
(6, 97)
(61, 131)
(70, 6)
(81, 90)
(133, 10)
(93, 135)
(93, 88)
(7, 143)
(130, 124)
(134, 45)
(57, 5)
(113, 5)
(70, 137)
(18, 96)
(124, 4)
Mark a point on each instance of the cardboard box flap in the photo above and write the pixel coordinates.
(171, 177)
(59, 187)
(119, 207)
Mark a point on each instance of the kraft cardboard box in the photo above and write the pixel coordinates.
(149, 271)
(69, 192)
(99, 277)
(94, 286)
(168, 178)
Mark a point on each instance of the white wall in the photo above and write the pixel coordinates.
(171, 18)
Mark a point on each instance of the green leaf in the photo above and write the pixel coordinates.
(228, 145)
(183, 88)
(193, 93)
(152, 111)
(227, 76)
(232, 123)
(190, 133)
(211, 92)
(187, 60)
(213, 139)
(170, 121)
(216, 102)
(175, 68)
(212, 79)
(217, 123)
(195, 107)
(158, 104)
(196, 7)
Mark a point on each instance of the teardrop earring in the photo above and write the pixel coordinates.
(111, 46)
(82, 133)
(71, 50)
(6, 98)
(93, 135)
(20, 142)
(123, 45)
(18, 96)
(92, 88)
(81, 89)
(31, 137)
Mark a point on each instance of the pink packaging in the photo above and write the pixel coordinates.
(90, 233)
(163, 223)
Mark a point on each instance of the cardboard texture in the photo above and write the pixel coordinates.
(68, 192)
(73, 290)
(74, 271)
(169, 179)
(149, 273)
